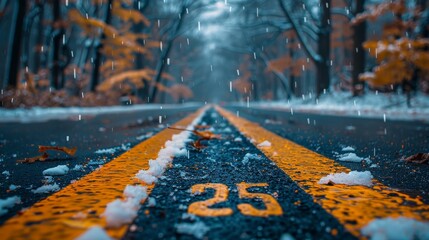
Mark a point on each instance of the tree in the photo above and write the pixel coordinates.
(321, 55)
(13, 62)
(99, 46)
(57, 36)
(401, 55)
(358, 59)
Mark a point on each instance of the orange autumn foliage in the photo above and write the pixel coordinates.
(180, 91)
(397, 60)
(397, 56)
(120, 45)
(280, 64)
(243, 84)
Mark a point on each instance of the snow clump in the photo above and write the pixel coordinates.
(352, 157)
(400, 228)
(349, 157)
(47, 188)
(197, 229)
(119, 212)
(8, 203)
(286, 236)
(250, 156)
(77, 167)
(348, 149)
(123, 147)
(6, 173)
(13, 187)
(264, 144)
(94, 233)
(351, 178)
(56, 171)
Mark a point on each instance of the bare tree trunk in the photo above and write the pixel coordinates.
(324, 44)
(13, 62)
(99, 45)
(321, 57)
(143, 92)
(56, 69)
(165, 54)
(358, 59)
(291, 76)
(40, 36)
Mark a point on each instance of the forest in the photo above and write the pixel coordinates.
(59, 53)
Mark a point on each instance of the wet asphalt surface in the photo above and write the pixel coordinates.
(385, 143)
(116, 132)
(222, 162)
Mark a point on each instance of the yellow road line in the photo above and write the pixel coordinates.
(59, 216)
(353, 206)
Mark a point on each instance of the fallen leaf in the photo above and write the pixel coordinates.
(202, 135)
(201, 126)
(206, 135)
(40, 158)
(69, 151)
(45, 155)
(197, 145)
(418, 158)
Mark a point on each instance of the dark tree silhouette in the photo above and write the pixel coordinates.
(358, 59)
(13, 62)
(98, 46)
(321, 57)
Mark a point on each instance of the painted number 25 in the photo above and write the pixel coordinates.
(201, 208)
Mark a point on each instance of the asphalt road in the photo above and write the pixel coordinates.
(222, 162)
(116, 132)
(385, 143)
(219, 174)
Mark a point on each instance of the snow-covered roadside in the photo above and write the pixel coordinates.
(38, 114)
(381, 106)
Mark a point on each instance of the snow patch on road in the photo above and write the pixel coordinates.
(13, 187)
(123, 147)
(56, 171)
(47, 188)
(348, 149)
(351, 178)
(400, 228)
(77, 167)
(287, 236)
(8, 203)
(94, 233)
(119, 212)
(264, 144)
(197, 229)
(250, 156)
(6, 174)
(350, 156)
